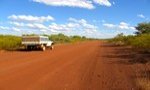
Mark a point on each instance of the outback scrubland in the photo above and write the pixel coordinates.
(120, 63)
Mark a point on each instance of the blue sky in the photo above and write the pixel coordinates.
(91, 18)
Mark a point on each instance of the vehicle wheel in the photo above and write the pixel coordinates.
(28, 48)
(52, 47)
(43, 48)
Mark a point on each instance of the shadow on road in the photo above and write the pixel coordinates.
(127, 55)
(144, 74)
(138, 61)
(25, 50)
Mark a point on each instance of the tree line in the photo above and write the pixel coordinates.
(141, 39)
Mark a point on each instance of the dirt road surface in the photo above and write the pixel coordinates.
(81, 66)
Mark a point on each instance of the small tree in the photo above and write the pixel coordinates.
(119, 35)
(143, 28)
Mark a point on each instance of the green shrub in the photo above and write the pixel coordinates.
(139, 41)
(120, 39)
(77, 38)
(59, 38)
(9, 42)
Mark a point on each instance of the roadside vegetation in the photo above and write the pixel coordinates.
(141, 39)
(9, 42)
(61, 38)
(139, 42)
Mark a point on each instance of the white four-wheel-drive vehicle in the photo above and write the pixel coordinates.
(36, 42)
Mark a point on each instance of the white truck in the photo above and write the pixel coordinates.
(37, 42)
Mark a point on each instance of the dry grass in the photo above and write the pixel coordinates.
(143, 76)
(144, 83)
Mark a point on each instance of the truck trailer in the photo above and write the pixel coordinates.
(37, 42)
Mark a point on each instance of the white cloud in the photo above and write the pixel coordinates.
(9, 28)
(36, 26)
(82, 23)
(29, 25)
(72, 19)
(58, 27)
(71, 3)
(140, 16)
(29, 18)
(123, 25)
(109, 25)
(120, 26)
(17, 24)
(88, 4)
(4, 28)
(74, 25)
(43, 30)
(126, 26)
(103, 2)
(15, 29)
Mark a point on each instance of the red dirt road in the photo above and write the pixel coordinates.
(82, 66)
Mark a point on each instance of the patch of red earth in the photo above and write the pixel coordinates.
(93, 65)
